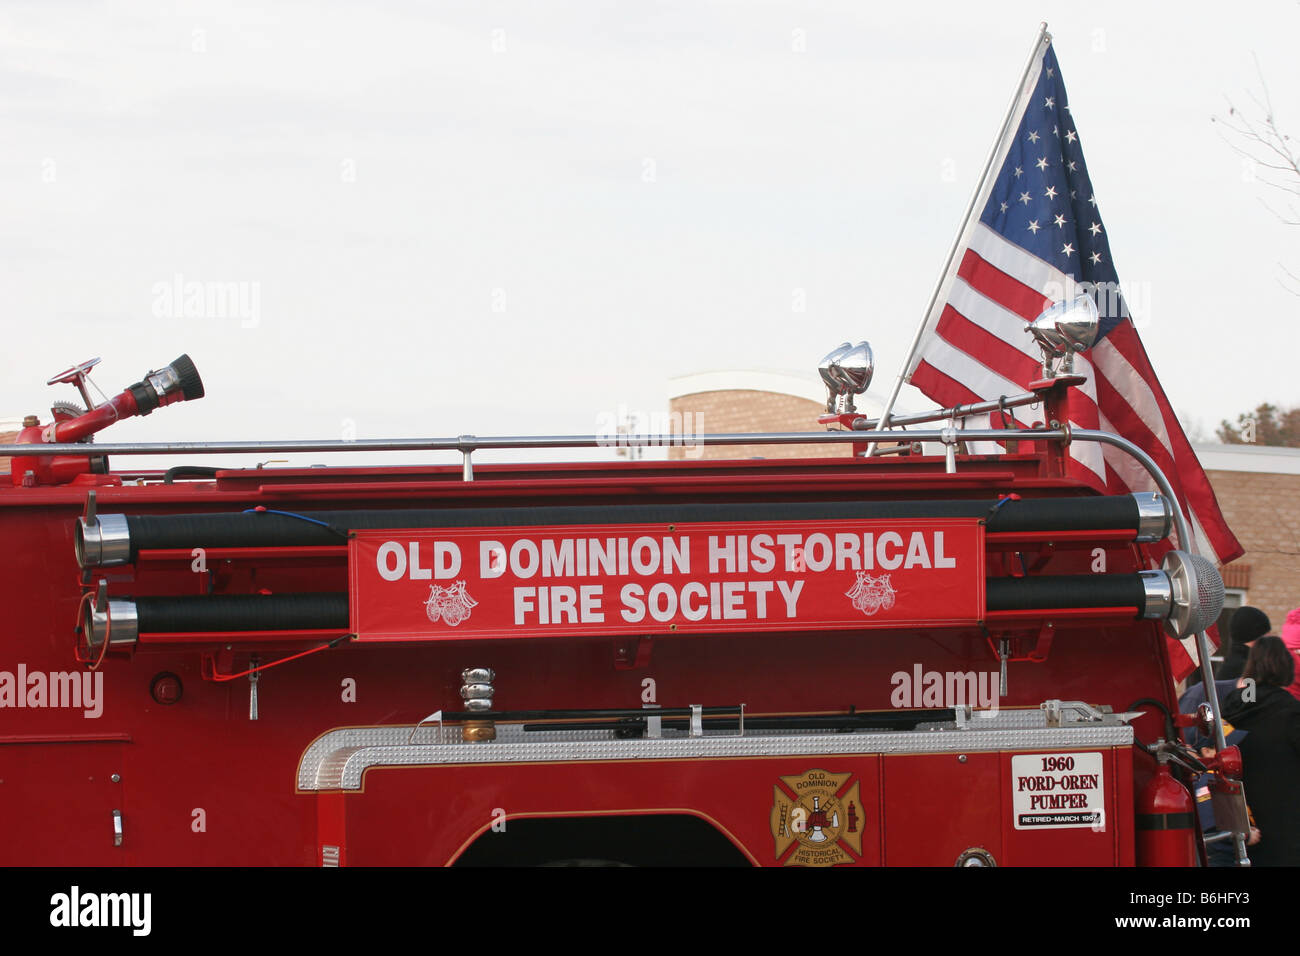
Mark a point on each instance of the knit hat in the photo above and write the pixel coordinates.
(1249, 623)
(1291, 630)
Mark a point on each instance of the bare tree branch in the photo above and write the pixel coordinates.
(1260, 140)
(1295, 279)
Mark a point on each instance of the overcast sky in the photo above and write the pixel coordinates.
(504, 218)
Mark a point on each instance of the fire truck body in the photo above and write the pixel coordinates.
(898, 660)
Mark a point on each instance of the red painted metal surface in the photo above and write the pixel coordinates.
(197, 782)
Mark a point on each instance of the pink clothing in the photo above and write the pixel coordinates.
(1291, 638)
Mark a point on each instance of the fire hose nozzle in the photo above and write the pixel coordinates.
(177, 382)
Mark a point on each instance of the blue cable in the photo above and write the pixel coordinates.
(290, 514)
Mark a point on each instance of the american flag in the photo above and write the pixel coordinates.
(1039, 239)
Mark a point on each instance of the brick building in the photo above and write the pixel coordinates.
(1258, 488)
(753, 401)
(9, 428)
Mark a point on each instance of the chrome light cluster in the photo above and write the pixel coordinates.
(1062, 330)
(847, 372)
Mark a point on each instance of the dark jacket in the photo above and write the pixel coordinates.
(1270, 753)
(1234, 663)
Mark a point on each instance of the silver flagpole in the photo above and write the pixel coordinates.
(961, 230)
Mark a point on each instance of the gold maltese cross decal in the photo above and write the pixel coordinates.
(817, 819)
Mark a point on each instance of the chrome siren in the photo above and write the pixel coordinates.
(1064, 329)
(1186, 593)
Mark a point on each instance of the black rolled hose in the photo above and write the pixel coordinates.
(283, 612)
(1066, 590)
(268, 529)
(242, 612)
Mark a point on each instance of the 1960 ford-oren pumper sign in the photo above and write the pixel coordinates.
(454, 583)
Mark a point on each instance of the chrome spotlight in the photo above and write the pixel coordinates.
(856, 367)
(828, 370)
(847, 372)
(1062, 330)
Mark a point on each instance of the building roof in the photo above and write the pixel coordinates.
(1264, 459)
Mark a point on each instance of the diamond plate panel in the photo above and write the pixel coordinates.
(338, 760)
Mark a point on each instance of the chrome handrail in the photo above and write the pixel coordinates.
(471, 443)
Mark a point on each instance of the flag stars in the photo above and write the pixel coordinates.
(1051, 72)
(1056, 131)
(1005, 207)
(1050, 192)
(974, 369)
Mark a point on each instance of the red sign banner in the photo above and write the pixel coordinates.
(563, 581)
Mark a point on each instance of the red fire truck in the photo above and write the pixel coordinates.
(891, 658)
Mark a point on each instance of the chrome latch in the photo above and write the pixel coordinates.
(1052, 712)
(654, 724)
(252, 690)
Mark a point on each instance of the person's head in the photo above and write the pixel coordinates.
(1248, 624)
(1270, 662)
